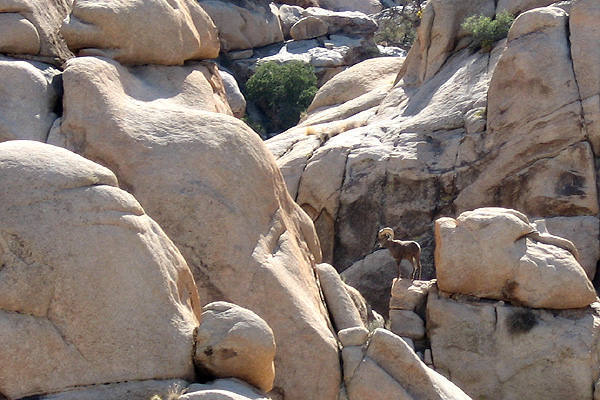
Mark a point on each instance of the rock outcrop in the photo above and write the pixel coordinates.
(167, 32)
(493, 253)
(30, 95)
(439, 142)
(234, 342)
(31, 27)
(244, 24)
(214, 188)
(495, 350)
(389, 368)
(91, 289)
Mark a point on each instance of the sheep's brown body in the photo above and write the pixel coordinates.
(401, 250)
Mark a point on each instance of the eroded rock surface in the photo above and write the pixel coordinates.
(232, 341)
(151, 32)
(244, 24)
(92, 290)
(30, 95)
(32, 27)
(491, 253)
(215, 189)
(495, 350)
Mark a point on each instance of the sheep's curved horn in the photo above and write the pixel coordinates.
(389, 232)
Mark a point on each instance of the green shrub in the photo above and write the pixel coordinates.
(486, 31)
(282, 92)
(397, 25)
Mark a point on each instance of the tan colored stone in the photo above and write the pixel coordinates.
(583, 231)
(140, 390)
(351, 358)
(584, 32)
(18, 35)
(516, 7)
(180, 30)
(245, 241)
(235, 98)
(233, 342)
(491, 348)
(371, 382)
(244, 24)
(308, 28)
(356, 336)
(406, 323)
(223, 389)
(437, 35)
(365, 6)
(91, 289)
(357, 81)
(345, 22)
(288, 16)
(46, 17)
(340, 305)
(487, 253)
(535, 161)
(395, 357)
(29, 94)
(410, 295)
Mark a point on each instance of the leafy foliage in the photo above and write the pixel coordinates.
(282, 92)
(397, 25)
(486, 31)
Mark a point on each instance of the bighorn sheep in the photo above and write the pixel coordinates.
(401, 250)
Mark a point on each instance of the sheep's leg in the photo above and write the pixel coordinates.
(414, 270)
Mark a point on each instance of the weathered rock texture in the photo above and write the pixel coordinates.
(539, 160)
(390, 369)
(149, 32)
(232, 341)
(32, 27)
(342, 309)
(91, 289)
(223, 389)
(364, 6)
(497, 351)
(491, 253)
(212, 185)
(459, 130)
(244, 24)
(30, 94)
(138, 390)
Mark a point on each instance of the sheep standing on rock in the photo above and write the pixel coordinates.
(401, 250)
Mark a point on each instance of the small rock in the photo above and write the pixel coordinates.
(407, 323)
(232, 341)
(308, 28)
(353, 336)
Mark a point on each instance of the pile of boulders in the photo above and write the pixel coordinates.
(512, 311)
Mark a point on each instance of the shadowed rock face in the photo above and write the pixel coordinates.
(489, 348)
(92, 290)
(459, 130)
(38, 23)
(212, 185)
(141, 32)
(244, 24)
(30, 95)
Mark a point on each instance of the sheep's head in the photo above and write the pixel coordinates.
(385, 234)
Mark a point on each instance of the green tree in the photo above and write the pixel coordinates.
(282, 92)
(486, 31)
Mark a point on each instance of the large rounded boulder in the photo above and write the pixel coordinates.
(91, 289)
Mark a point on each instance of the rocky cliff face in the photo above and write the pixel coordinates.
(460, 129)
(150, 208)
